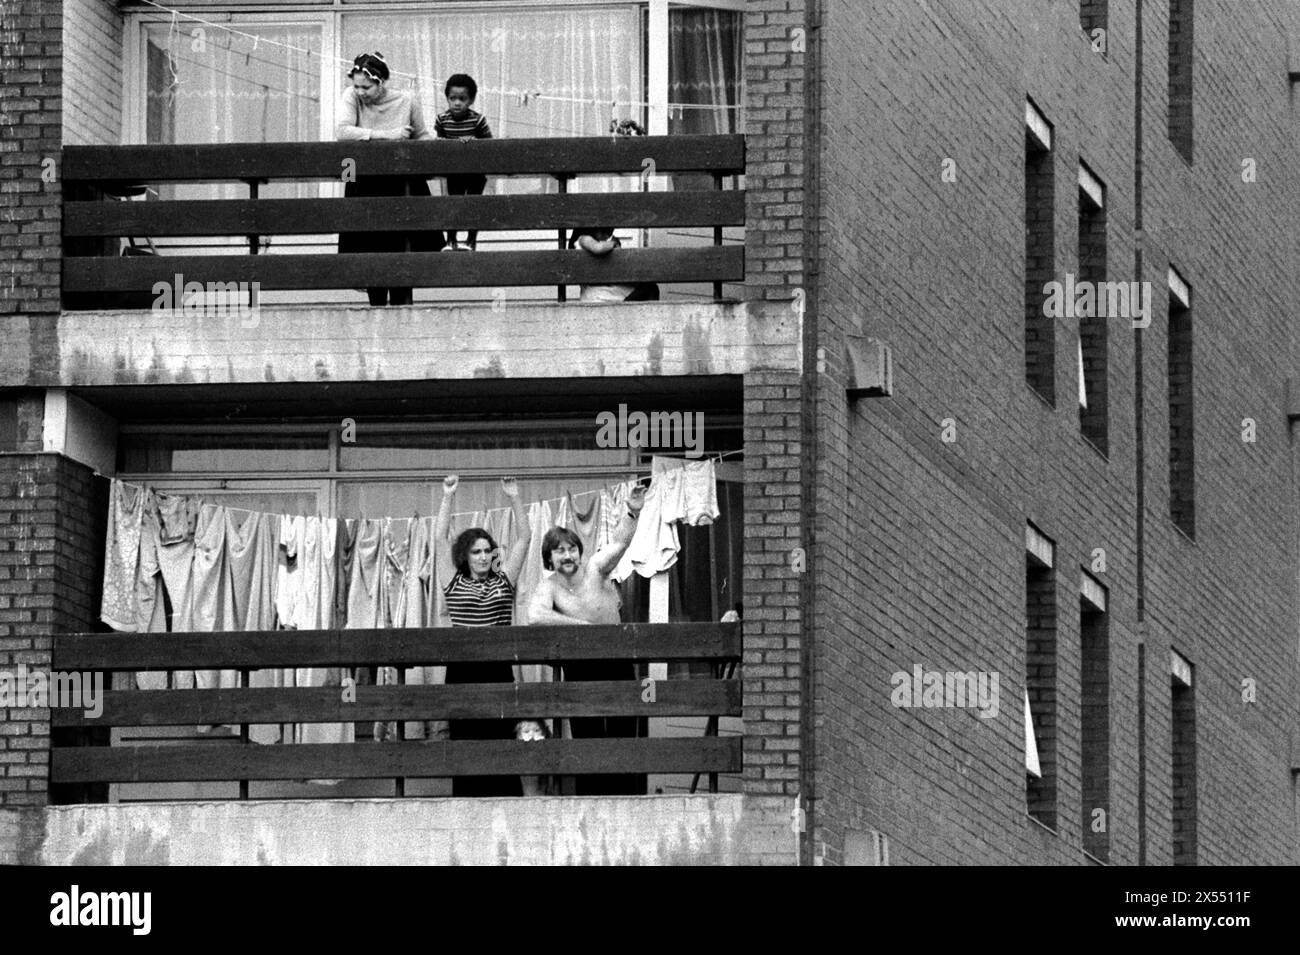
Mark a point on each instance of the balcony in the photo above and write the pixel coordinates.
(234, 759)
(233, 233)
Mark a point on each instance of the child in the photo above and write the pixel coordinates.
(600, 241)
(534, 730)
(461, 121)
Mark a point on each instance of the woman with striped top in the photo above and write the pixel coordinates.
(481, 595)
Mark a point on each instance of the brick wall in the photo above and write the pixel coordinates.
(52, 514)
(776, 45)
(1227, 602)
(30, 118)
(92, 74)
(923, 498)
(773, 625)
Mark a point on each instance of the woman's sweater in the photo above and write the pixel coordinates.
(394, 109)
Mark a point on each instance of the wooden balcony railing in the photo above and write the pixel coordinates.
(92, 227)
(196, 762)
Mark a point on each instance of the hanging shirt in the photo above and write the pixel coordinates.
(613, 503)
(119, 608)
(151, 616)
(654, 546)
(700, 491)
(586, 524)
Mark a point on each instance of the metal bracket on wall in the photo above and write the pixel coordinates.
(870, 365)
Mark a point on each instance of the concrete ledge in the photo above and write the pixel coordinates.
(358, 343)
(641, 830)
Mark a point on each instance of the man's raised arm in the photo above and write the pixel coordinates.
(606, 559)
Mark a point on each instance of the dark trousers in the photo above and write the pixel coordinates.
(466, 186)
(606, 727)
(483, 729)
(352, 242)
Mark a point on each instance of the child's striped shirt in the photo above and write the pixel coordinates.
(473, 125)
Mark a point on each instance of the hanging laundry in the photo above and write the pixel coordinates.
(343, 557)
(700, 489)
(655, 545)
(320, 572)
(118, 608)
(208, 606)
(252, 549)
(586, 524)
(539, 522)
(151, 615)
(613, 504)
(178, 518)
(394, 551)
(412, 612)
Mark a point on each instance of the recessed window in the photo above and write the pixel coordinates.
(1180, 76)
(1093, 340)
(1094, 679)
(1040, 676)
(1184, 760)
(1182, 434)
(1040, 253)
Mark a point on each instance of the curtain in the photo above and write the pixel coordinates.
(222, 87)
(703, 70)
(588, 57)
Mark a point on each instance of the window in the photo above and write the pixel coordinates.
(1040, 674)
(1093, 364)
(1094, 675)
(1092, 15)
(1184, 761)
(1182, 434)
(1181, 50)
(1040, 254)
(265, 77)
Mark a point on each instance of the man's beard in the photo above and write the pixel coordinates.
(568, 568)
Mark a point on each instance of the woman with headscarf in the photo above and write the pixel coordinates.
(372, 110)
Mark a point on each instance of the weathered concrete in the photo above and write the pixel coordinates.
(351, 343)
(642, 830)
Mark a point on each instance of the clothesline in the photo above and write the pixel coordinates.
(551, 502)
(524, 96)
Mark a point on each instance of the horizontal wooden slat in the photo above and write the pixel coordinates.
(132, 764)
(417, 270)
(485, 213)
(428, 158)
(398, 647)
(458, 701)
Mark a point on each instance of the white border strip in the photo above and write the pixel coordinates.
(1092, 590)
(1179, 289)
(1039, 545)
(1181, 668)
(1092, 186)
(1038, 125)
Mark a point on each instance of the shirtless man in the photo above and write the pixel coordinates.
(581, 592)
